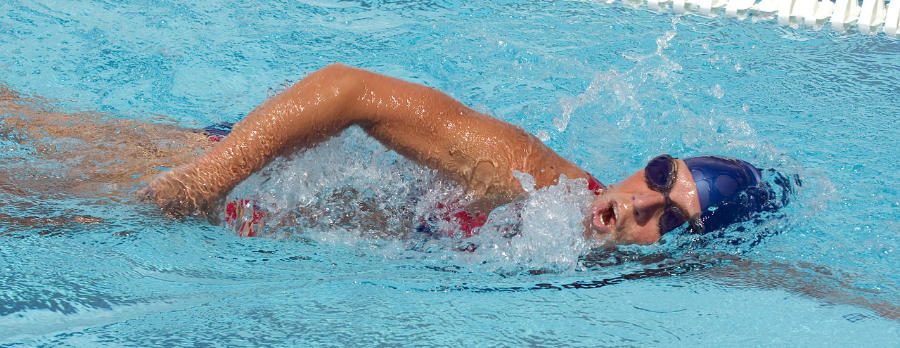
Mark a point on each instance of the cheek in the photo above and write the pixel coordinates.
(633, 233)
(642, 235)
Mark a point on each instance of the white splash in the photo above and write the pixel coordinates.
(549, 235)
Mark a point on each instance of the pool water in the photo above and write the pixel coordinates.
(605, 85)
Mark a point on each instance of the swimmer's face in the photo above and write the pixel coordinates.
(629, 212)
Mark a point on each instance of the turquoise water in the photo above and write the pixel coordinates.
(607, 86)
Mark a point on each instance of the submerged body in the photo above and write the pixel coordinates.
(102, 155)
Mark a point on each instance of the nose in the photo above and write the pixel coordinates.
(646, 205)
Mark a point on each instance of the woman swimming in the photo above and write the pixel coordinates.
(478, 151)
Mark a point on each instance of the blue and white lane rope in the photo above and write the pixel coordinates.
(870, 16)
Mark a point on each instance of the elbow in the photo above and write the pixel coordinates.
(340, 76)
(335, 68)
(339, 80)
(346, 85)
(333, 88)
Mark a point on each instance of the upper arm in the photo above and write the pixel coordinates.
(430, 127)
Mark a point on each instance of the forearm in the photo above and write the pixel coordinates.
(802, 278)
(478, 151)
(309, 112)
(421, 123)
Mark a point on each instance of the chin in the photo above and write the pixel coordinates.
(644, 240)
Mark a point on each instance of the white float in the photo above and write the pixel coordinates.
(738, 8)
(785, 8)
(845, 12)
(656, 4)
(871, 15)
(814, 11)
(707, 6)
(766, 6)
(892, 19)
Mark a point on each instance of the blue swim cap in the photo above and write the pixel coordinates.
(730, 190)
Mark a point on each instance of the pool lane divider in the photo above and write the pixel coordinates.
(870, 16)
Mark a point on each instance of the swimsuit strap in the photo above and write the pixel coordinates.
(594, 184)
(216, 132)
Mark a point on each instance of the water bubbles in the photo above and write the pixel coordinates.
(377, 201)
(601, 83)
(562, 122)
(550, 236)
(717, 91)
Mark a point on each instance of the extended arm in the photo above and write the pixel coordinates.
(421, 123)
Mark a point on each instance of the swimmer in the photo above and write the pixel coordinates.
(103, 157)
(478, 151)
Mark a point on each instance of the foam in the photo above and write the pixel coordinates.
(550, 223)
(374, 199)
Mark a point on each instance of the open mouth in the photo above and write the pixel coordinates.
(605, 216)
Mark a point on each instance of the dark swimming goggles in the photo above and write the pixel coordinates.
(660, 175)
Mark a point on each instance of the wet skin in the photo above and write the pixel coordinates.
(478, 151)
(628, 212)
(141, 147)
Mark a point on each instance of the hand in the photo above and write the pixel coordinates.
(183, 192)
